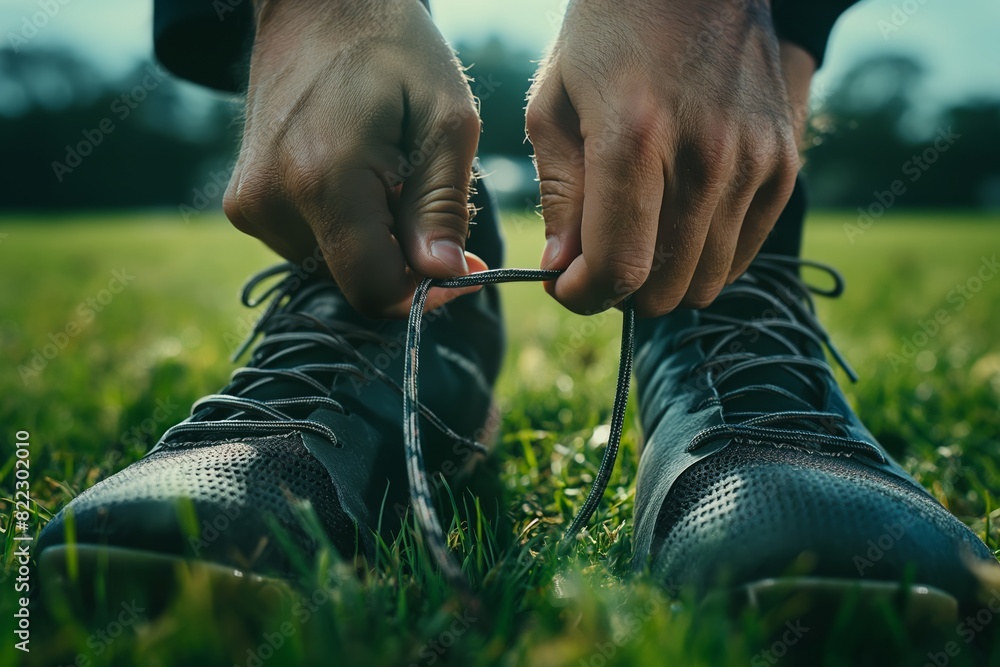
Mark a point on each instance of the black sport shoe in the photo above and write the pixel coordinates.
(756, 468)
(316, 416)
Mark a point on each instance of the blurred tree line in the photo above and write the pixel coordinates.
(72, 138)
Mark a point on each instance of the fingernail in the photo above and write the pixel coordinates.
(551, 251)
(451, 254)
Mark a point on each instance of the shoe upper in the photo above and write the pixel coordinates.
(314, 418)
(754, 464)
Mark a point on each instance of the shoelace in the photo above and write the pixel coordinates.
(420, 492)
(233, 411)
(229, 411)
(770, 276)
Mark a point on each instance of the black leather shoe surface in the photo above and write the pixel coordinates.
(754, 465)
(315, 417)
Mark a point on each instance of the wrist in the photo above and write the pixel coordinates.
(353, 20)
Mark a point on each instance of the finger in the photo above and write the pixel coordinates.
(436, 296)
(439, 296)
(352, 224)
(696, 183)
(434, 203)
(716, 261)
(768, 203)
(253, 213)
(623, 193)
(553, 128)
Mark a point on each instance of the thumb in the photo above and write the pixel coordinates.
(433, 220)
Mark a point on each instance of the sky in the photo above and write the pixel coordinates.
(958, 41)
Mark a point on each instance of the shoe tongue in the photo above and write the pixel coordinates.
(325, 303)
(325, 306)
(756, 309)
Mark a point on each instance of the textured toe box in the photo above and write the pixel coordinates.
(750, 513)
(216, 501)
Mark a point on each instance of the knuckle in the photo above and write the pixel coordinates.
(557, 199)
(759, 155)
(783, 180)
(556, 211)
(461, 120)
(232, 210)
(701, 296)
(304, 179)
(656, 304)
(738, 271)
(788, 165)
(456, 113)
(444, 207)
(555, 186)
(625, 272)
(711, 271)
(534, 118)
(708, 156)
(242, 224)
(635, 142)
(755, 158)
(580, 308)
(540, 108)
(248, 202)
(697, 302)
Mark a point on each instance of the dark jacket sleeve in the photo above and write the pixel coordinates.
(208, 41)
(808, 23)
(205, 41)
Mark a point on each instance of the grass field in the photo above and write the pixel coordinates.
(96, 374)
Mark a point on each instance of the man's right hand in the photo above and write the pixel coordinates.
(359, 139)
